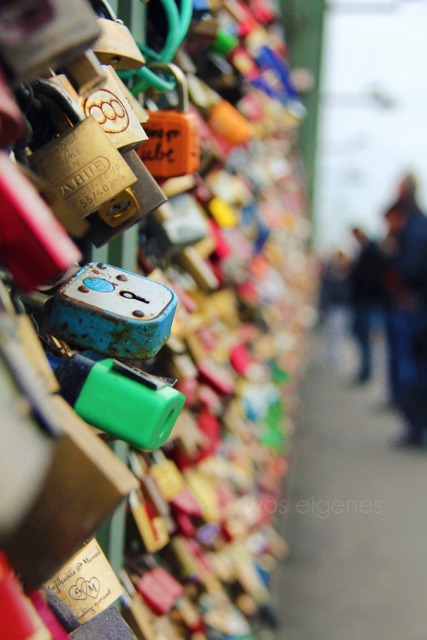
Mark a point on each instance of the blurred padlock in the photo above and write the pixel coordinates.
(82, 165)
(33, 245)
(71, 29)
(115, 46)
(178, 223)
(12, 123)
(19, 621)
(66, 513)
(173, 146)
(221, 116)
(19, 18)
(26, 451)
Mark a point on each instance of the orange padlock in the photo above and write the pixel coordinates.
(173, 145)
(225, 120)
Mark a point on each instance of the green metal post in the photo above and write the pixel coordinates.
(303, 22)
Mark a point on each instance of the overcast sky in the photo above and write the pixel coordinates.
(373, 121)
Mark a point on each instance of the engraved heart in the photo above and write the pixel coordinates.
(91, 587)
(77, 591)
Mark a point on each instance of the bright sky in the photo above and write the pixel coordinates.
(363, 147)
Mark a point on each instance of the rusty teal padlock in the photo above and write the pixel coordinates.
(113, 311)
(173, 145)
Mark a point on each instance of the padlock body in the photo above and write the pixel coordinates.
(116, 46)
(34, 247)
(84, 167)
(173, 146)
(119, 405)
(226, 121)
(110, 108)
(113, 311)
(71, 30)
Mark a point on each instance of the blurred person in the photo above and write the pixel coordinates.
(405, 250)
(368, 298)
(334, 306)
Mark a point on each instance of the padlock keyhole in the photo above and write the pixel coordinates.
(129, 295)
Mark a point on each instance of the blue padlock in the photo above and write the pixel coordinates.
(113, 311)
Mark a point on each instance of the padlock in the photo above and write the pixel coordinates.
(33, 245)
(151, 527)
(65, 514)
(167, 476)
(145, 197)
(159, 590)
(113, 311)
(115, 46)
(177, 224)
(86, 583)
(83, 166)
(135, 611)
(123, 401)
(220, 115)
(26, 451)
(85, 73)
(61, 209)
(199, 269)
(70, 31)
(18, 19)
(12, 123)
(18, 618)
(173, 146)
(110, 108)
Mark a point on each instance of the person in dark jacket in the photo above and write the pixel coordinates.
(368, 297)
(406, 280)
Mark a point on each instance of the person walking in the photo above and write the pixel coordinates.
(368, 298)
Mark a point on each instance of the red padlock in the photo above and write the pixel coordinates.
(34, 247)
(173, 145)
(12, 123)
(17, 620)
(159, 590)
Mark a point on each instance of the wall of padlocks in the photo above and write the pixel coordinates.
(147, 411)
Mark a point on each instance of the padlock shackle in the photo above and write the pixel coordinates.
(103, 9)
(181, 81)
(60, 97)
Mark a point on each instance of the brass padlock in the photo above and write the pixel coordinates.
(111, 108)
(145, 196)
(82, 165)
(116, 45)
(173, 145)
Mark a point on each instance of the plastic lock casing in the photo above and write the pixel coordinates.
(126, 406)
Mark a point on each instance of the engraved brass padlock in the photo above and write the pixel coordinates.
(83, 165)
(173, 145)
(111, 108)
(116, 45)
